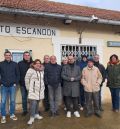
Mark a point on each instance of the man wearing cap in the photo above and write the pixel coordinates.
(91, 80)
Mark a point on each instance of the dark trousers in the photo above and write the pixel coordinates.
(100, 100)
(64, 101)
(72, 101)
(63, 97)
(24, 94)
(46, 100)
(82, 96)
(92, 97)
(115, 94)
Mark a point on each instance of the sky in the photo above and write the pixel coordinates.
(105, 4)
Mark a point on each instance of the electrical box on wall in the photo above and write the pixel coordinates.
(113, 44)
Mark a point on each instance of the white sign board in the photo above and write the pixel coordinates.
(22, 30)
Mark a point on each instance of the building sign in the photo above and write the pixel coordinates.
(113, 44)
(27, 30)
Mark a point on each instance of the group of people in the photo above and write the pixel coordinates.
(77, 83)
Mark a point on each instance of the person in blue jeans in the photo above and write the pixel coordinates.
(10, 75)
(34, 83)
(52, 78)
(113, 81)
(24, 65)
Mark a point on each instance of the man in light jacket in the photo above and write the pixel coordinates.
(91, 80)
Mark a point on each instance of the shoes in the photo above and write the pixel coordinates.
(68, 114)
(13, 117)
(37, 116)
(81, 108)
(52, 114)
(115, 110)
(77, 114)
(3, 120)
(101, 109)
(24, 113)
(57, 113)
(65, 108)
(88, 114)
(30, 122)
(98, 115)
(47, 109)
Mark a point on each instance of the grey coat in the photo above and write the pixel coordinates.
(71, 88)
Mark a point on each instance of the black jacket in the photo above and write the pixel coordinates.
(9, 72)
(45, 64)
(102, 70)
(23, 67)
(52, 75)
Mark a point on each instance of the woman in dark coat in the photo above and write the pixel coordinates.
(113, 76)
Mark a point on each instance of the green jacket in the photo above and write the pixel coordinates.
(113, 75)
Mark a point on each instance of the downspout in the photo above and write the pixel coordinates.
(6, 10)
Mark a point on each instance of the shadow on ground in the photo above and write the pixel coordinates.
(109, 120)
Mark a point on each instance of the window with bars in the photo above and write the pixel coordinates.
(78, 50)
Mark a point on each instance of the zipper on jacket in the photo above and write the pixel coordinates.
(40, 85)
(39, 79)
(34, 87)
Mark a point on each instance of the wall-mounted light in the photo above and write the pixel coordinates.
(94, 19)
(67, 21)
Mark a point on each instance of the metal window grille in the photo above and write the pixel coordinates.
(78, 50)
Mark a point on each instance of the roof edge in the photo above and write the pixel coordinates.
(6, 10)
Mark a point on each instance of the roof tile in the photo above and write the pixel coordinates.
(61, 8)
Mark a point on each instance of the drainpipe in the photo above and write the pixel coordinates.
(6, 10)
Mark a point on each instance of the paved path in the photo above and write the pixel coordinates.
(109, 120)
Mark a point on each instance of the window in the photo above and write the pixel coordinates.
(17, 55)
(78, 50)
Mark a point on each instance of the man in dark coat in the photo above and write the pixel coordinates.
(71, 75)
(82, 64)
(23, 67)
(10, 76)
(52, 78)
(46, 100)
(103, 72)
